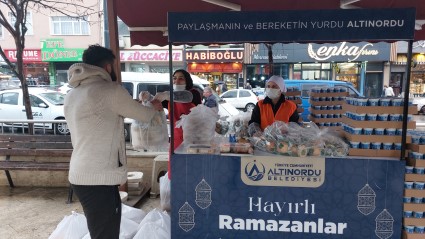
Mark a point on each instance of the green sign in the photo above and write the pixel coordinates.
(53, 50)
(52, 43)
(64, 54)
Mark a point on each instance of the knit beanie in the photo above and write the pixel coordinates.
(279, 81)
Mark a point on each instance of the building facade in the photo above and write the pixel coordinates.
(54, 41)
(363, 64)
(398, 68)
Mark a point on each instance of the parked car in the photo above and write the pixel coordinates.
(240, 98)
(45, 105)
(259, 92)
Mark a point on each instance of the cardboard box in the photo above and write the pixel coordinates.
(416, 162)
(415, 207)
(412, 235)
(416, 148)
(414, 193)
(414, 222)
(324, 120)
(376, 138)
(375, 153)
(334, 102)
(328, 94)
(378, 109)
(313, 111)
(378, 124)
(297, 101)
(413, 177)
(293, 93)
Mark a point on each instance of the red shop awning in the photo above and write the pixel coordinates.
(147, 20)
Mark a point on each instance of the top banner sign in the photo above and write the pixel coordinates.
(292, 26)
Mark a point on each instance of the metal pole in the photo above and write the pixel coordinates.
(406, 89)
(105, 24)
(171, 110)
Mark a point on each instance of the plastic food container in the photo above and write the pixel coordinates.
(384, 102)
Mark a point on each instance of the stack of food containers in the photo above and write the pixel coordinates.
(294, 94)
(373, 126)
(326, 106)
(414, 193)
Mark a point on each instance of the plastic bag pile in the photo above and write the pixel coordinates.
(199, 125)
(294, 140)
(135, 224)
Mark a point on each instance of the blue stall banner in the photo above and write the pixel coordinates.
(284, 197)
(292, 26)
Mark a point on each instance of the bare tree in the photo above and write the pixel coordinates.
(15, 22)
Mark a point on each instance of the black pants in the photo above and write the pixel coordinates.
(102, 208)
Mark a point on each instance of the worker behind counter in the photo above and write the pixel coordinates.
(274, 107)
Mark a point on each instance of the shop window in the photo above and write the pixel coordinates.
(312, 71)
(348, 72)
(28, 23)
(64, 25)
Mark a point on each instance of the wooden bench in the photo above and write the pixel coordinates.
(41, 146)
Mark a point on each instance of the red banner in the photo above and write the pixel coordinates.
(29, 55)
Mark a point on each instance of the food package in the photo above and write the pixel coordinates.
(199, 125)
(152, 136)
(293, 140)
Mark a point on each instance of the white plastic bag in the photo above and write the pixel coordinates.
(199, 125)
(128, 229)
(165, 192)
(152, 136)
(71, 226)
(156, 225)
(132, 213)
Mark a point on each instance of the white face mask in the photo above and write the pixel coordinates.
(272, 93)
(179, 87)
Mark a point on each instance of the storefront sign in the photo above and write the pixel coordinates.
(352, 53)
(285, 197)
(64, 54)
(149, 55)
(340, 52)
(53, 43)
(53, 50)
(28, 55)
(292, 26)
(214, 55)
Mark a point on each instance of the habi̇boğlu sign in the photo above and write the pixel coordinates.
(292, 26)
(285, 197)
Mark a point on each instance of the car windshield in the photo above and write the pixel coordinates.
(55, 98)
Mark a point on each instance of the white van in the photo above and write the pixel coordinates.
(136, 82)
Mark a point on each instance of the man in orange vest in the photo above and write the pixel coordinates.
(274, 107)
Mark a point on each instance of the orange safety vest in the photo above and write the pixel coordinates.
(286, 109)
